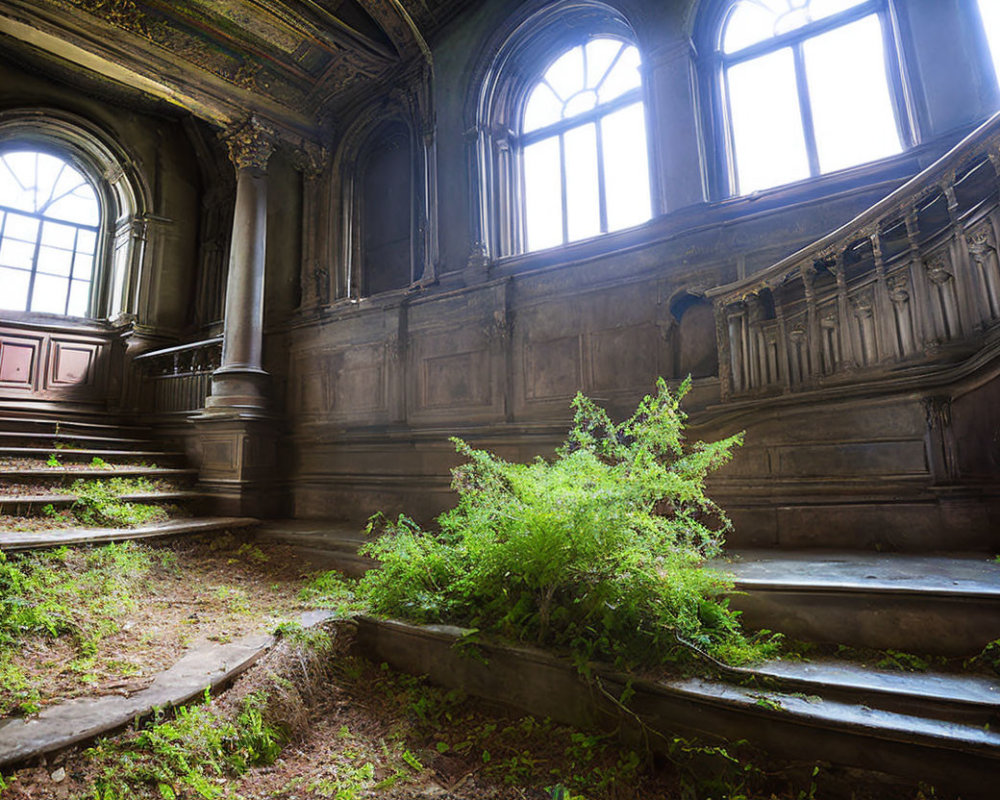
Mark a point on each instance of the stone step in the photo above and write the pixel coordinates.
(57, 441)
(943, 604)
(328, 544)
(32, 505)
(968, 699)
(48, 475)
(11, 541)
(82, 454)
(810, 724)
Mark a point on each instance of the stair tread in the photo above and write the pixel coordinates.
(128, 496)
(45, 452)
(30, 540)
(957, 574)
(72, 437)
(933, 686)
(96, 472)
(879, 722)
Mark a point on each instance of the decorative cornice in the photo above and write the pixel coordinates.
(250, 144)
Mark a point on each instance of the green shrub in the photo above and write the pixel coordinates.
(600, 550)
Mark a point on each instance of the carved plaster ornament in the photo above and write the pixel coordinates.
(499, 329)
(250, 144)
(797, 334)
(863, 304)
(310, 158)
(829, 321)
(899, 290)
(937, 271)
(980, 243)
(124, 14)
(756, 309)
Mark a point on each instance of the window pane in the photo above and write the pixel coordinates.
(566, 75)
(851, 103)
(749, 22)
(990, 12)
(543, 108)
(83, 267)
(626, 168)
(24, 229)
(49, 295)
(766, 121)
(54, 262)
(624, 75)
(14, 289)
(87, 242)
(17, 180)
(600, 55)
(580, 102)
(79, 298)
(56, 235)
(583, 214)
(80, 206)
(543, 194)
(16, 254)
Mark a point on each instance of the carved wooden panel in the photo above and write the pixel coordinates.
(456, 380)
(553, 368)
(357, 381)
(52, 363)
(624, 358)
(18, 360)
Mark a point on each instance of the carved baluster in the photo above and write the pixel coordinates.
(863, 310)
(984, 255)
(899, 295)
(829, 334)
(944, 301)
(920, 308)
(884, 318)
(722, 341)
(847, 359)
(964, 294)
(812, 343)
(756, 364)
(736, 322)
(784, 351)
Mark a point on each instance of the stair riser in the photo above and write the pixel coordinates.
(90, 442)
(13, 455)
(36, 508)
(929, 623)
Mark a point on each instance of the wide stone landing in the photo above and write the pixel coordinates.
(896, 726)
(327, 543)
(82, 719)
(943, 604)
(11, 541)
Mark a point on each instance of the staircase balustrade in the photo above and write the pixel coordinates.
(914, 280)
(178, 379)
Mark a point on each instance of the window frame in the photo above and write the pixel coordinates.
(714, 73)
(122, 199)
(559, 128)
(512, 64)
(99, 275)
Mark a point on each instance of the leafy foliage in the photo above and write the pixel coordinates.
(63, 592)
(99, 502)
(600, 550)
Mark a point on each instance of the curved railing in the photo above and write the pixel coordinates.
(178, 379)
(914, 278)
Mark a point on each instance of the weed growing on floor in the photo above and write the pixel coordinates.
(331, 590)
(600, 550)
(53, 460)
(62, 593)
(99, 503)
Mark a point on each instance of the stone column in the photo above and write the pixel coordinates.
(240, 382)
(236, 441)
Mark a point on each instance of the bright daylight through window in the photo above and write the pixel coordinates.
(583, 140)
(49, 222)
(990, 12)
(806, 87)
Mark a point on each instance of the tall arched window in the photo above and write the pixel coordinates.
(989, 11)
(71, 217)
(50, 220)
(583, 144)
(561, 151)
(807, 87)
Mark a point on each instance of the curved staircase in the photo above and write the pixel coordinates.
(45, 462)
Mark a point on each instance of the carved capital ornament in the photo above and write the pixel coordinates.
(250, 144)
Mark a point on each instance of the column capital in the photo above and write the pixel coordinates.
(311, 159)
(250, 143)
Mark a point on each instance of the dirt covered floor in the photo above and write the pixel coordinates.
(314, 720)
(106, 620)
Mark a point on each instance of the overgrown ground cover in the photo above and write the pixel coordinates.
(313, 720)
(106, 620)
(599, 552)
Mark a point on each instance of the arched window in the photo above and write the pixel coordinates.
(50, 220)
(583, 146)
(806, 87)
(989, 11)
(70, 218)
(560, 123)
